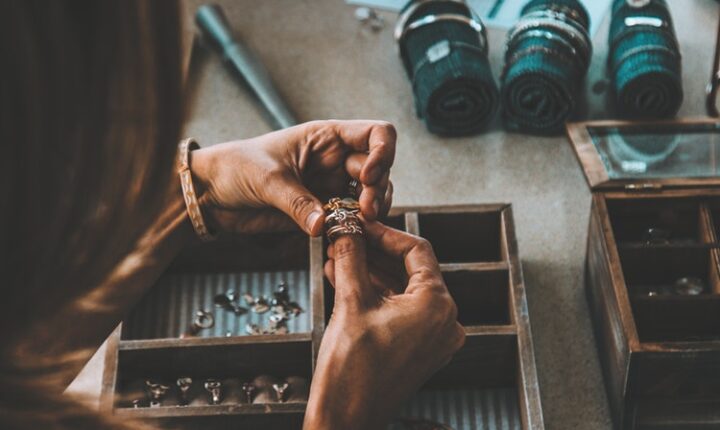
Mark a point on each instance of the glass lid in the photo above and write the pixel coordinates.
(621, 154)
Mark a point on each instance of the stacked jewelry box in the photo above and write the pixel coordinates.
(653, 268)
(491, 383)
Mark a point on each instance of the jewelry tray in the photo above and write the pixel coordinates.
(490, 384)
(660, 351)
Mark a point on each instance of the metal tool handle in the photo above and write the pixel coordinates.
(212, 21)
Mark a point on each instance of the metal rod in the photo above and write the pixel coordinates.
(212, 21)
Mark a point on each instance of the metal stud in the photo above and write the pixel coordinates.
(214, 388)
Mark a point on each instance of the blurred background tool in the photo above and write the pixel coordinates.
(215, 27)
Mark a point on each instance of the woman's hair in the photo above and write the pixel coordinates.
(91, 108)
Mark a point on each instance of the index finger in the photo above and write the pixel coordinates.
(377, 138)
(420, 263)
(352, 282)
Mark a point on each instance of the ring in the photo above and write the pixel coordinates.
(248, 388)
(342, 218)
(156, 391)
(280, 391)
(204, 319)
(214, 387)
(184, 385)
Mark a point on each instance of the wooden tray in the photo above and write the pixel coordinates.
(490, 384)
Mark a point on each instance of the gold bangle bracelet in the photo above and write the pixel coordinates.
(191, 203)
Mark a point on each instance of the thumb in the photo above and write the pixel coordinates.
(291, 197)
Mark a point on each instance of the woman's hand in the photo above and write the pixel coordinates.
(280, 179)
(393, 325)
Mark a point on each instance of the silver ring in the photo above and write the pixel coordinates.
(407, 13)
(581, 38)
(549, 36)
(214, 388)
(184, 384)
(555, 15)
(572, 13)
(204, 319)
(431, 19)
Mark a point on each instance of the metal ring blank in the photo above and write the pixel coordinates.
(431, 19)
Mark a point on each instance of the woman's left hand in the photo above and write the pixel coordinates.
(280, 179)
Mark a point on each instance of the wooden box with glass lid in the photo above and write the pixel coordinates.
(233, 350)
(653, 267)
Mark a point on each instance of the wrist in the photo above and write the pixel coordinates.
(202, 167)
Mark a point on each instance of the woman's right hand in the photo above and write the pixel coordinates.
(393, 325)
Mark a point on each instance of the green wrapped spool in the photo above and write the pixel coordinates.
(443, 48)
(547, 56)
(644, 61)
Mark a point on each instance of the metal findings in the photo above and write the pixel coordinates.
(214, 389)
(342, 218)
(689, 286)
(156, 392)
(369, 16)
(280, 391)
(248, 388)
(203, 320)
(657, 236)
(228, 302)
(184, 384)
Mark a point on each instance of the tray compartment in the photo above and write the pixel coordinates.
(630, 219)
(230, 360)
(471, 408)
(167, 311)
(482, 297)
(487, 360)
(670, 317)
(250, 264)
(462, 237)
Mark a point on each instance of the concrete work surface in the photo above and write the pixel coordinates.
(328, 66)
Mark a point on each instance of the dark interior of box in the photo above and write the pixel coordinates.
(649, 267)
(482, 298)
(463, 237)
(631, 218)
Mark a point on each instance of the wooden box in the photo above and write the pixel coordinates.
(659, 342)
(491, 383)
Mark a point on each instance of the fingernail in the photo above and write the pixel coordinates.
(376, 207)
(312, 219)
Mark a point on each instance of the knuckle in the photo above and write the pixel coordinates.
(424, 246)
(389, 128)
(300, 203)
(344, 249)
(459, 338)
